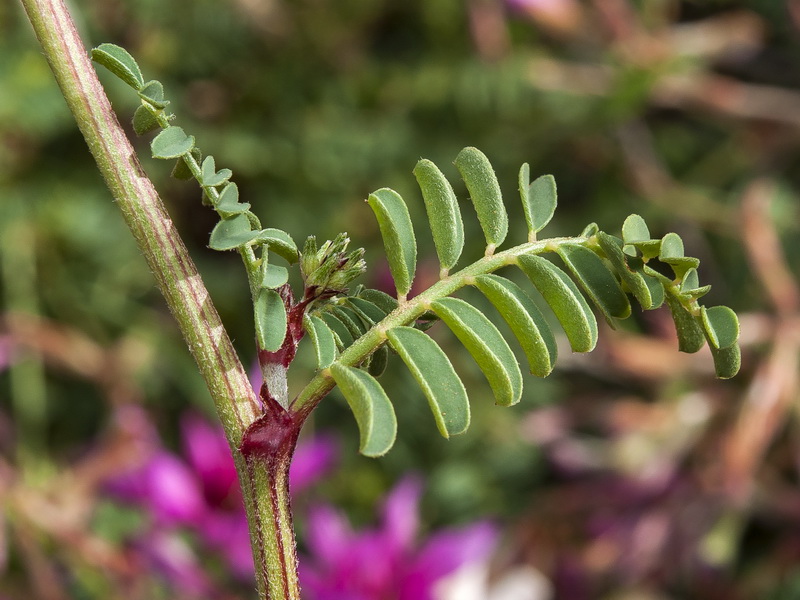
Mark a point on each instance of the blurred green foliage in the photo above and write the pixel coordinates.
(316, 103)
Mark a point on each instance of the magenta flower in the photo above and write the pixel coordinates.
(200, 491)
(386, 562)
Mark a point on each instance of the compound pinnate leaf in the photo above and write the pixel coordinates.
(210, 176)
(322, 339)
(486, 345)
(525, 320)
(232, 233)
(270, 316)
(228, 203)
(279, 242)
(153, 93)
(171, 143)
(435, 374)
(144, 121)
(565, 299)
(371, 407)
(398, 236)
(443, 213)
(612, 248)
(481, 181)
(120, 63)
(721, 326)
(727, 361)
(690, 332)
(598, 282)
(539, 199)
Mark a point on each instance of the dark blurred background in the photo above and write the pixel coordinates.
(629, 473)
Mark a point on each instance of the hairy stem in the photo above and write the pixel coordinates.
(263, 475)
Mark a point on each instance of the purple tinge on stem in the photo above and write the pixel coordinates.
(386, 562)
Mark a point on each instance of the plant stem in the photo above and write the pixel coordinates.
(268, 441)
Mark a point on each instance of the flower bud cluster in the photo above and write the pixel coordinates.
(330, 267)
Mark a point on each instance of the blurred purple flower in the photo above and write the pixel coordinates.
(555, 15)
(385, 562)
(200, 491)
(170, 555)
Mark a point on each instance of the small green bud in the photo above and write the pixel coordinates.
(330, 267)
(308, 257)
(352, 267)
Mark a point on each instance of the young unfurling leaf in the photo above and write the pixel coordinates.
(279, 242)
